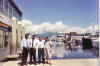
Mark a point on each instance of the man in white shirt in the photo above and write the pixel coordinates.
(33, 47)
(41, 50)
(25, 49)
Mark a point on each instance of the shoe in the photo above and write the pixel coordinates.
(43, 62)
(23, 63)
(50, 64)
(35, 64)
(30, 63)
(39, 62)
(47, 63)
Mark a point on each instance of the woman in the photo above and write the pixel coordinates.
(48, 50)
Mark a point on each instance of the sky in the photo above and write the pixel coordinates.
(69, 13)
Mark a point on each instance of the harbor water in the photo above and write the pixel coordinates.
(62, 50)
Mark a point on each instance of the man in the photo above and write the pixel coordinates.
(25, 49)
(41, 50)
(33, 47)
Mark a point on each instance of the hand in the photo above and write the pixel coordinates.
(34, 48)
(27, 47)
(21, 49)
(50, 51)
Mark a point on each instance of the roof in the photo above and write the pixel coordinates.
(13, 2)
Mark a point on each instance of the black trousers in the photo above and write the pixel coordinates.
(24, 54)
(32, 55)
(41, 54)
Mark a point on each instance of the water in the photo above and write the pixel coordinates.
(61, 50)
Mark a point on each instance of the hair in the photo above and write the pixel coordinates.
(34, 35)
(40, 36)
(46, 38)
(26, 34)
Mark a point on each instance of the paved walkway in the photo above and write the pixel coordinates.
(68, 62)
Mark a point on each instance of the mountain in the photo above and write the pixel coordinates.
(49, 34)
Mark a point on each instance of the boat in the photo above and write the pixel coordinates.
(95, 43)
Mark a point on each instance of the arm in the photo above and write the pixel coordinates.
(50, 46)
(36, 44)
(22, 44)
(30, 43)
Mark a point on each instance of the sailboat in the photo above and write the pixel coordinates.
(95, 40)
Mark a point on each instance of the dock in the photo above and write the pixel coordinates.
(68, 62)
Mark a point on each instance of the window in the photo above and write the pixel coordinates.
(1, 5)
(10, 12)
(14, 14)
(19, 18)
(4, 39)
(1, 39)
(6, 8)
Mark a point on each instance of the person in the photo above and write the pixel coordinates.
(41, 50)
(25, 49)
(33, 47)
(48, 50)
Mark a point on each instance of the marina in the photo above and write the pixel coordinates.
(75, 46)
(49, 33)
(61, 51)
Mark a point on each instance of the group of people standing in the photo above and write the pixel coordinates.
(30, 46)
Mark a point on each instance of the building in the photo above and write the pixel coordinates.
(8, 9)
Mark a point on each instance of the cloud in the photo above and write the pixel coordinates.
(57, 27)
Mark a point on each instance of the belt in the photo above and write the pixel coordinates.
(40, 48)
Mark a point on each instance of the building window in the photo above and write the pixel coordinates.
(14, 14)
(19, 18)
(6, 7)
(1, 5)
(4, 37)
(10, 12)
(1, 39)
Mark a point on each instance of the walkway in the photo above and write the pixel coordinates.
(68, 62)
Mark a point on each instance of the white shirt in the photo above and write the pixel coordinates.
(35, 43)
(48, 44)
(41, 44)
(24, 43)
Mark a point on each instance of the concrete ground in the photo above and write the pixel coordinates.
(68, 62)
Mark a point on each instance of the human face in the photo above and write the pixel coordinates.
(33, 37)
(40, 38)
(26, 36)
(47, 39)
